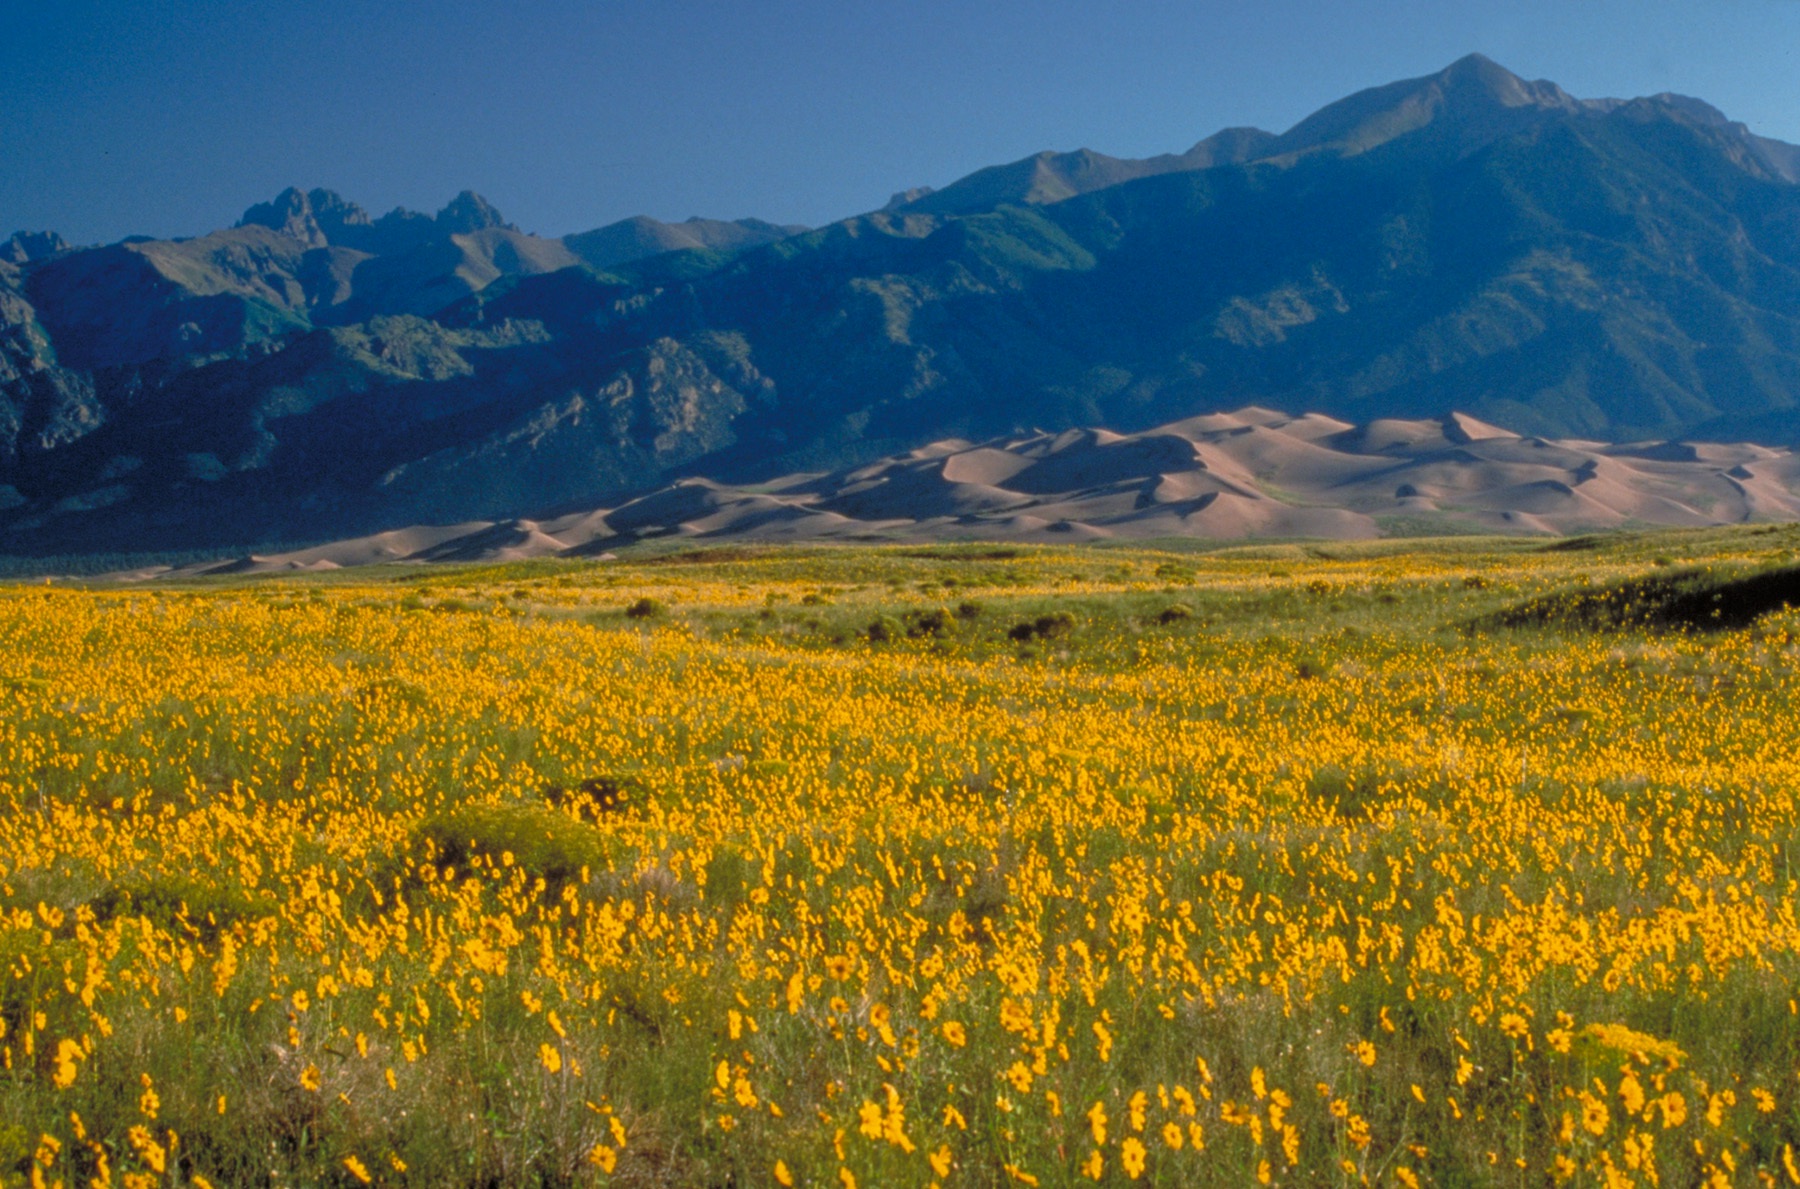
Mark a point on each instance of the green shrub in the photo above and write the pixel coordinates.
(1044, 627)
(883, 628)
(170, 899)
(15, 1151)
(612, 793)
(933, 623)
(542, 841)
(646, 608)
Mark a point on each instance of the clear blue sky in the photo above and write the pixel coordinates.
(169, 117)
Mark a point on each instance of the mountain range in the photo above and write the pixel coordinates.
(1602, 270)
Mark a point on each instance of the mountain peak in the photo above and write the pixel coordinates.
(1480, 75)
(290, 213)
(316, 217)
(907, 197)
(1469, 102)
(1228, 146)
(26, 246)
(1045, 178)
(333, 212)
(1481, 71)
(468, 212)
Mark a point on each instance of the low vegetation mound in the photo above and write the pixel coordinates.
(544, 842)
(1044, 627)
(1683, 600)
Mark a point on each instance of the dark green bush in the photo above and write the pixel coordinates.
(1044, 627)
(612, 793)
(171, 899)
(646, 608)
(542, 841)
(933, 623)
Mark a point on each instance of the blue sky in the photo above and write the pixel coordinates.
(169, 117)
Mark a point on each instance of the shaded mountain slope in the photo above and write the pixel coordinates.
(1624, 272)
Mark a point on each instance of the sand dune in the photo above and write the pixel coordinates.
(1251, 473)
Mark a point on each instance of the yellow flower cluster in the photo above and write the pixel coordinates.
(297, 884)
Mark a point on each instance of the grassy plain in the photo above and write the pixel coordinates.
(1380, 864)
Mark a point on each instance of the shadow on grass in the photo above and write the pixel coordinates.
(1686, 600)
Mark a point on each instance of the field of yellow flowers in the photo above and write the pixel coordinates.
(905, 866)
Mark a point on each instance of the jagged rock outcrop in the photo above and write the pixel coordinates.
(27, 246)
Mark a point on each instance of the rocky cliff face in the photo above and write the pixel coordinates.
(1561, 267)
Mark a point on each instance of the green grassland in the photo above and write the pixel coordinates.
(1465, 861)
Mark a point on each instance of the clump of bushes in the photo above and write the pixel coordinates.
(646, 608)
(1044, 627)
(883, 628)
(169, 899)
(542, 841)
(913, 625)
(609, 794)
(933, 623)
